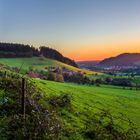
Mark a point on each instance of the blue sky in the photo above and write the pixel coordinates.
(68, 24)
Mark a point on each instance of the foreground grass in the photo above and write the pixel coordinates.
(72, 110)
(90, 99)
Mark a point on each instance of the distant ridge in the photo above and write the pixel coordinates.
(125, 59)
(14, 50)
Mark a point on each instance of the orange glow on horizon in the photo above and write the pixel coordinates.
(100, 52)
(100, 47)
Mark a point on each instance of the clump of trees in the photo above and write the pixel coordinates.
(12, 50)
(119, 81)
(77, 78)
(54, 54)
(124, 82)
(55, 77)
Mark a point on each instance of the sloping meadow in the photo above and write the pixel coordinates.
(51, 110)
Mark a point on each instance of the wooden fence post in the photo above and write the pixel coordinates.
(5, 85)
(23, 98)
(5, 74)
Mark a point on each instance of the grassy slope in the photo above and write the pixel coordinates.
(87, 100)
(37, 63)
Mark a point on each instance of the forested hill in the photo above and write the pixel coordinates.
(13, 50)
(125, 59)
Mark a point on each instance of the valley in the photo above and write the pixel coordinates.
(79, 102)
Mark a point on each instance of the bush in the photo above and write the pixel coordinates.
(63, 100)
(40, 122)
(121, 82)
(77, 78)
(51, 76)
(59, 78)
(99, 81)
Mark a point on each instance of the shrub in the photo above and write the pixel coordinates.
(121, 82)
(51, 76)
(59, 78)
(40, 122)
(99, 81)
(63, 100)
(76, 78)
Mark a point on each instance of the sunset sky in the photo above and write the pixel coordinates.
(79, 29)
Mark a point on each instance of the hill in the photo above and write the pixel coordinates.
(12, 50)
(87, 64)
(38, 63)
(125, 59)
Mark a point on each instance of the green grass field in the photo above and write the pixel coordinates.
(86, 99)
(90, 99)
(38, 64)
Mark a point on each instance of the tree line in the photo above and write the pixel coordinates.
(13, 50)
